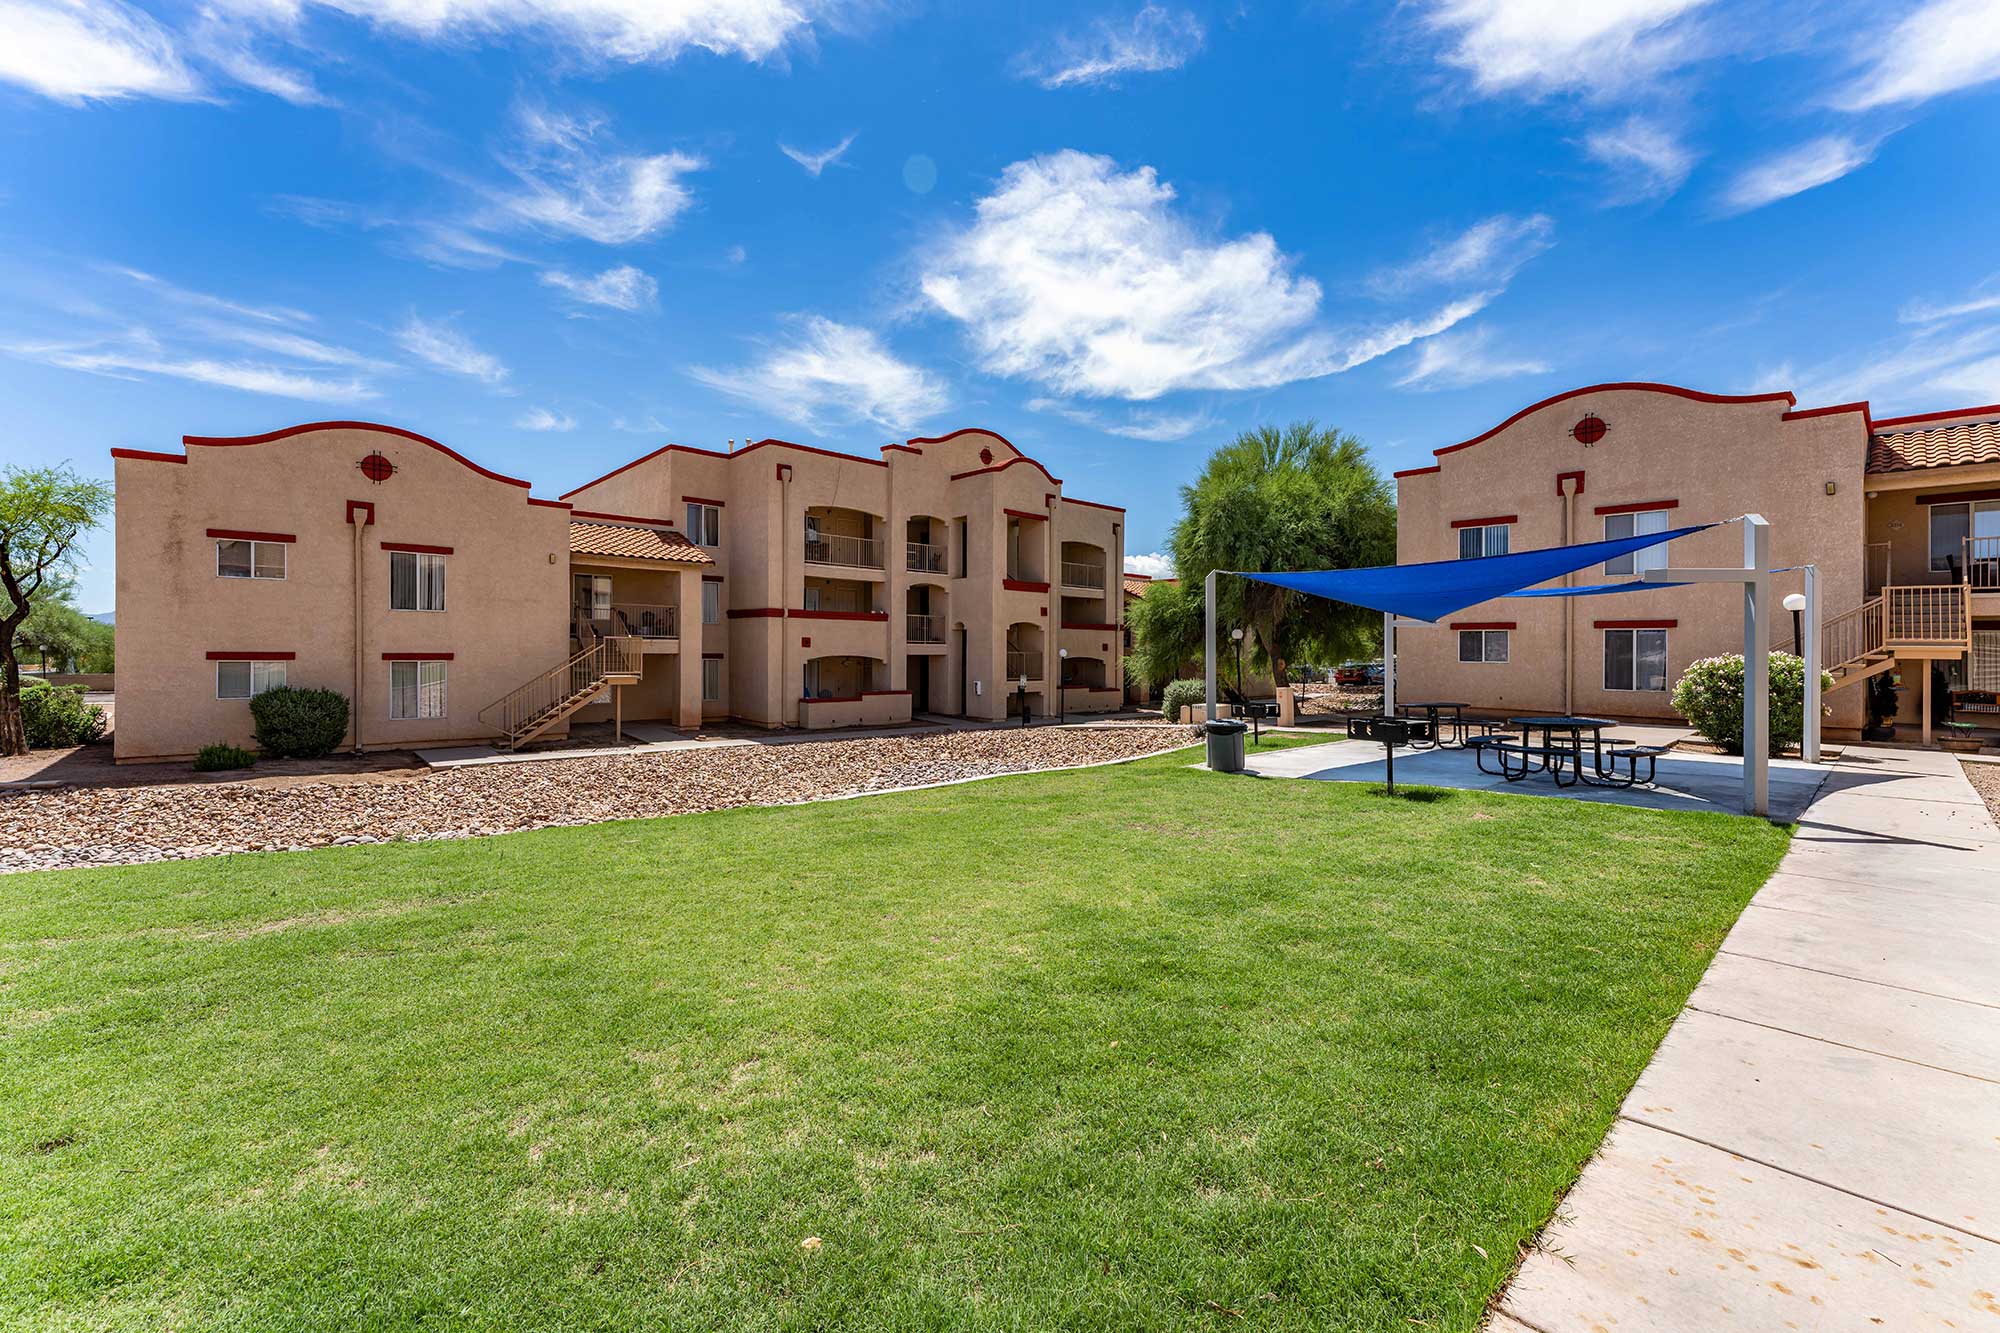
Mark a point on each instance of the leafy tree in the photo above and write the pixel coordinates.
(43, 512)
(1273, 501)
(56, 632)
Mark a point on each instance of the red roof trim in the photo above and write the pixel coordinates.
(1497, 520)
(416, 657)
(251, 657)
(223, 441)
(1484, 624)
(234, 535)
(1623, 386)
(870, 694)
(1634, 624)
(796, 614)
(1416, 471)
(416, 548)
(1116, 509)
(547, 504)
(702, 500)
(1026, 513)
(1022, 585)
(900, 449)
(620, 518)
(626, 467)
(1861, 407)
(1991, 409)
(1002, 467)
(967, 430)
(1641, 507)
(749, 612)
(149, 456)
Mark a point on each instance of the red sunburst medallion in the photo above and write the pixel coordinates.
(1589, 430)
(376, 468)
(986, 455)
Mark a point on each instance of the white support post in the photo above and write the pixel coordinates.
(1208, 641)
(1756, 665)
(1389, 663)
(1809, 743)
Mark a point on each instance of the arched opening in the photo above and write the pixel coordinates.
(836, 536)
(925, 549)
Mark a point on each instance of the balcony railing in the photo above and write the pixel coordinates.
(1938, 613)
(832, 548)
(923, 558)
(1023, 664)
(638, 621)
(925, 628)
(1078, 574)
(843, 601)
(1982, 562)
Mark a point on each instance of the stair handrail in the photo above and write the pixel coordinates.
(513, 712)
(1853, 635)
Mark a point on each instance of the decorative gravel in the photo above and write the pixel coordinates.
(1985, 779)
(46, 830)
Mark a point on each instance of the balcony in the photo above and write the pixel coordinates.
(1021, 664)
(653, 628)
(923, 558)
(1081, 574)
(832, 548)
(925, 628)
(1982, 563)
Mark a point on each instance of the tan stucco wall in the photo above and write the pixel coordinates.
(506, 584)
(1718, 459)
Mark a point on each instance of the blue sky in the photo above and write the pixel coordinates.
(558, 233)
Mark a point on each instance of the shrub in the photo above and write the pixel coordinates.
(55, 716)
(1182, 694)
(1709, 695)
(299, 723)
(216, 758)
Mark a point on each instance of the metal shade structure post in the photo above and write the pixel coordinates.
(1208, 651)
(1389, 664)
(1809, 741)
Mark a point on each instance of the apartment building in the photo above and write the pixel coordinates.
(1901, 516)
(778, 584)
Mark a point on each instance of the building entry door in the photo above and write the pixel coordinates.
(920, 683)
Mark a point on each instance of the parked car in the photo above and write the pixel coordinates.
(1357, 673)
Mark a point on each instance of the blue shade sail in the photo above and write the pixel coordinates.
(1435, 590)
(1597, 589)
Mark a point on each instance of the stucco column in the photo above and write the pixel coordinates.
(687, 701)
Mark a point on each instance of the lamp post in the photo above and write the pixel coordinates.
(1024, 696)
(1062, 686)
(1237, 635)
(1796, 604)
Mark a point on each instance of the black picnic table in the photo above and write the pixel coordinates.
(1552, 756)
(1432, 709)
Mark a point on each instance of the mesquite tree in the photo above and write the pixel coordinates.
(43, 512)
(1272, 501)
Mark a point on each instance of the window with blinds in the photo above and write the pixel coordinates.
(1985, 674)
(416, 581)
(416, 690)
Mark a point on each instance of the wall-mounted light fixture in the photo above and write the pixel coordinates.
(1829, 488)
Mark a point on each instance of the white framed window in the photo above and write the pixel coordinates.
(812, 679)
(711, 603)
(416, 690)
(244, 680)
(416, 581)
(1635, 660)
(704, 524)
(1487, 539)
(239, 559)
(1482, 645)
(1636, 525)
(711, 680)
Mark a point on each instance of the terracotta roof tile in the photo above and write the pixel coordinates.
(1910, 450)
(634, 543)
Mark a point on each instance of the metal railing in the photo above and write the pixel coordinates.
(846, 601)
(636, 621)
(1078, 574)
(1982, 562)
(548, 698)
(923, 558)
(925, 628)
(833, 548)
(1939, 613)
(1023, 664)
(1851, 636)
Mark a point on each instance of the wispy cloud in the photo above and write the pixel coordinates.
(814, 163)
(827, 372)
(1156, 427)
(1542, 48)
(621, 288)
(1153, 40)
(1938, 48)
(1455, 360)
(1486, 254)
(438, 344)
(1154, 565)
(83, 50)
(1647, 160)
(1808, 166)
(140, 357)
(1923, 368)
(573, 183)
(160, 287)
(1923, 312)
(540, 418)
(291, 345)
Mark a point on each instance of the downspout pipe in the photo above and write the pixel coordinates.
(360, 524)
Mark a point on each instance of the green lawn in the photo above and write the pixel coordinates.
(1122, 1048)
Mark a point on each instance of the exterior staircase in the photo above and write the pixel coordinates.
(1923, 620)
(528, 711)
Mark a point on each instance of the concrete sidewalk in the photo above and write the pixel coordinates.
(1816, 1144)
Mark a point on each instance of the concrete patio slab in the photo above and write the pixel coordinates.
(1934, 961)
(1668, 1236)
(1961, 910)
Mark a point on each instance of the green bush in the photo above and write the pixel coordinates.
(55, 717)
(1180, 695)
(1709, 695)
(299, 723)
(216, 758)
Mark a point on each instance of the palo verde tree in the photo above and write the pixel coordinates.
(1273, 501)
(43, 513)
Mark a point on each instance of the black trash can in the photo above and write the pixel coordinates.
(1225, 744)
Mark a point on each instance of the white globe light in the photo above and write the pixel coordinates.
(1795, 602)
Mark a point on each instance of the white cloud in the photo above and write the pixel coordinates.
(143, 358)
(1973, 381)
(833, 372)
(649, 426)
(1155, 427)
(621, 288)
(292, 345)
(540, 418)
(1909, 373)
(1647, 160)
(78, 50)
(445, 348)
(1939, 48)
(229, 45)
(1796, 170)
(1155, 39)
(1488, 253)
(1154, 564)
(1085, 279)
(576, 186)
(1543, 47)
(1919, 312)
(814, 163)
(158, 286)
(1454, 360)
